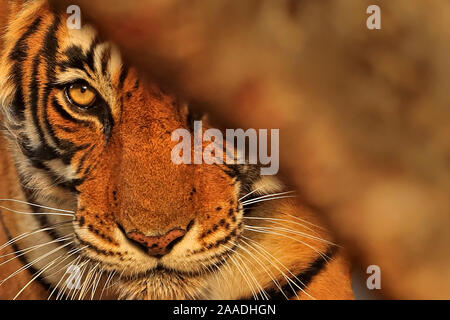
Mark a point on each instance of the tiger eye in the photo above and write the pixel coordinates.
(82, 95)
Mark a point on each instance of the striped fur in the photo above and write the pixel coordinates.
(110, 165)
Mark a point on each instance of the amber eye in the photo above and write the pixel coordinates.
(81, 94)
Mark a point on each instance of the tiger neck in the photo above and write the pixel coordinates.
(10, 226)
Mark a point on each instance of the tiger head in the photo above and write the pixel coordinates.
(89, 136)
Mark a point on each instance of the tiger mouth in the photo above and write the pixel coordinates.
(209, 264)
(216, 261)
(161, 270)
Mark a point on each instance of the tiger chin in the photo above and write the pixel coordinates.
(88, 185)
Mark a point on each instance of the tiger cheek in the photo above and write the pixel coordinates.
(217, 204)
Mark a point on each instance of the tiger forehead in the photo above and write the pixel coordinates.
(85, 46)
(82, 55)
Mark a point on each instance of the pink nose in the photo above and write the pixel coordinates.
(157, 246)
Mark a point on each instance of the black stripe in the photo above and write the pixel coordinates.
(90, 54)
(192, 116)
(19, 54)
(74, 60)
(28, 151)
(18, 103)
(83, 159)
(64, 114)
(66, 129)
(38, 163)
(44, 151)
(304, 278)
(247, 175)
(41, 219)
(123, 75)
(136, 84)
(49, 53)
(106, 56)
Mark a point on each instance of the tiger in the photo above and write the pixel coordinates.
(92, 207)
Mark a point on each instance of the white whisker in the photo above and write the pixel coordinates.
(89, 278)
(250, 193)
(38, 213)
(291, 231)
(302, 220)
(68, 255)
(261, 290)
(268, 199)
(32, 248)
(267, 254)
(324, 256)
(271, 262)
(27, 234)
(34, 278)
(244, 276)
(96, 281)
(269, 273)
(279, 222)
(36, 205)
(62, 277)
(268, 196)
(110, 276)
(83, 267)
(33, 262)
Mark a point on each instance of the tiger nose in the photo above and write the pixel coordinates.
(157, 246)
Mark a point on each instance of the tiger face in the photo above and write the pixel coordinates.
(90, 137)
